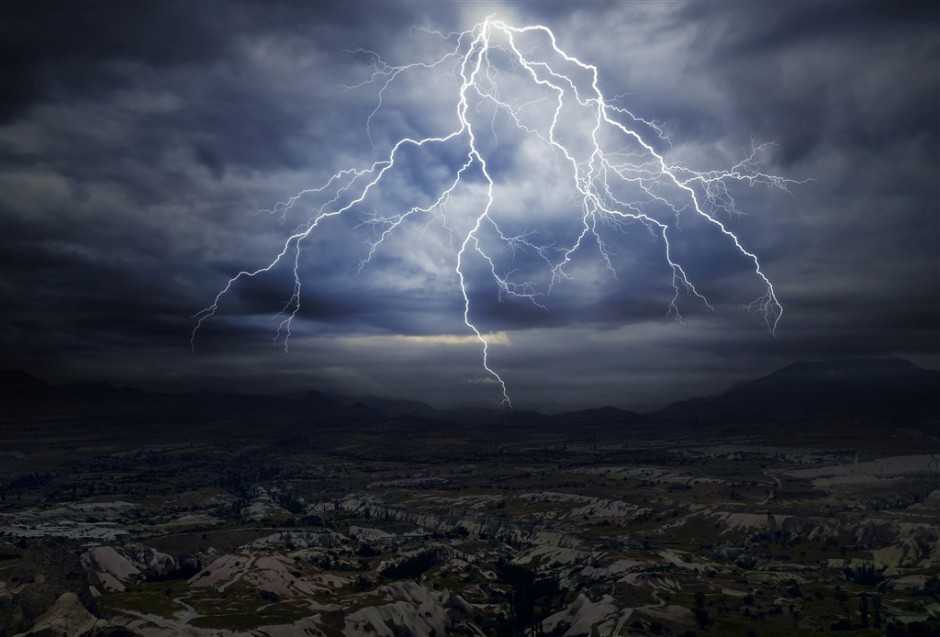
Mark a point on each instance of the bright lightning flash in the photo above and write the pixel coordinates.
(618, 176)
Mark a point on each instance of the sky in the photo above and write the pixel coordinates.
(145, 147)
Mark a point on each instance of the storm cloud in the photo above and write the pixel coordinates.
(140, 141)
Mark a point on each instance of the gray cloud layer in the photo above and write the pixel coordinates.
(139, 141)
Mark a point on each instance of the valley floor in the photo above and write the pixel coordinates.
(461, 530)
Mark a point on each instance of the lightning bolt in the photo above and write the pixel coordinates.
(614, 168)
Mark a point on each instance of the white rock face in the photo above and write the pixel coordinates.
(273, 573)
(756, 522)
(551, 554)
(98, 521)
(583, 617)
(114, 569)
(367, 534)
(303, 539)
(617, 569)
(899, 544)
(262, 507)
(413, 608)
(67, 617)
(871, 472)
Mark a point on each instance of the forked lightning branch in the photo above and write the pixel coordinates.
(518, 78)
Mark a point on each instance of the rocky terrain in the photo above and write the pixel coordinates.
(125, 513)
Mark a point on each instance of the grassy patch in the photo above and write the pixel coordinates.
(253, 613)
(154, 598)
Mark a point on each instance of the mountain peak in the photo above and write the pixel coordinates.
(858, 388)
(14, 380)
(848, 369)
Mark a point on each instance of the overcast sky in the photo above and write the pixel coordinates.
(141, 140)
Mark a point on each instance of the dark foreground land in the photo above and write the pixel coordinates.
(804, 503)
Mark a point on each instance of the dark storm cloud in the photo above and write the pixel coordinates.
(858, 104)
(139, 139)
(775, 26)
(53, 48)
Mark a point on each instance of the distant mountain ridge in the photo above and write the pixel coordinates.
(873, 388)
(848, 368)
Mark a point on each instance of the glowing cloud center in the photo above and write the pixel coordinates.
(520, 80)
